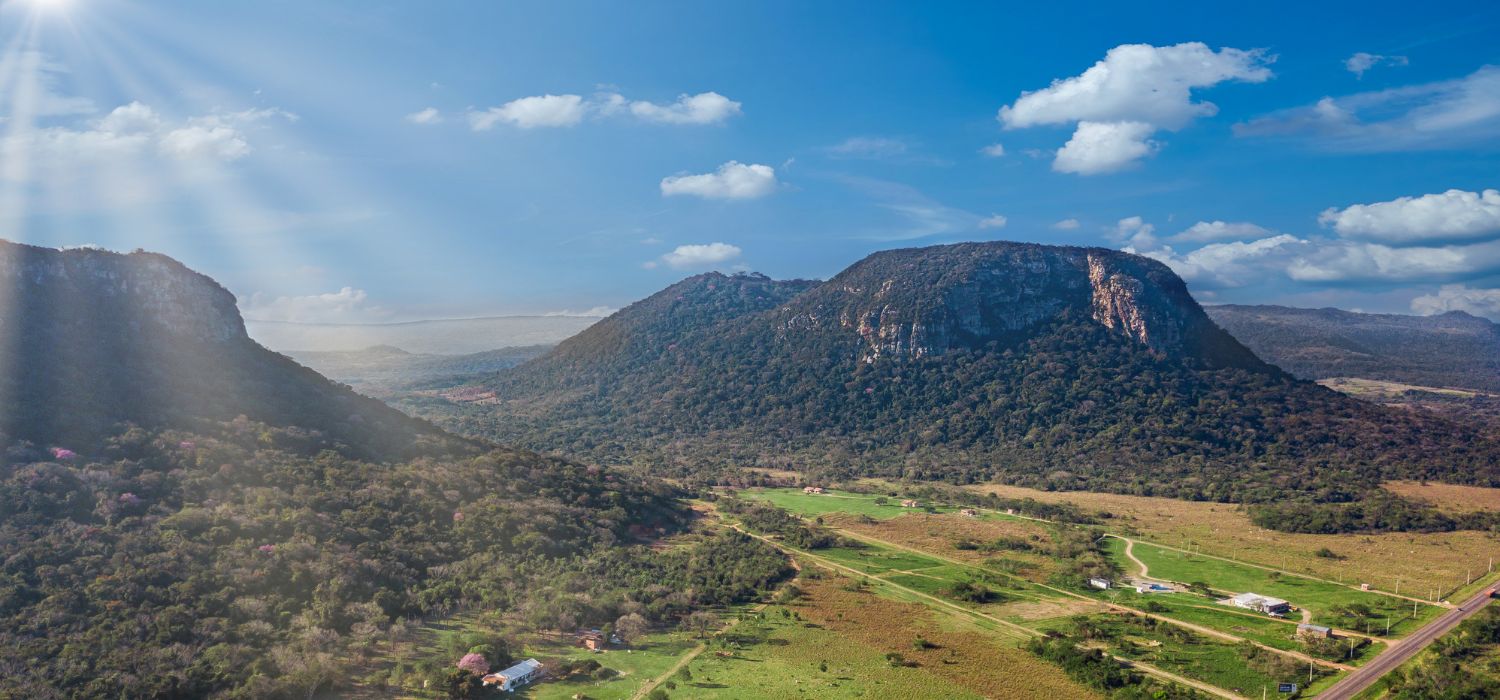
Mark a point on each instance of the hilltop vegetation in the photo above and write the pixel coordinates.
(239, 563)
(1057, 368)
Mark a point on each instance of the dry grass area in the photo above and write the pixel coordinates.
(962, 654)
(1421, 561)
(1378, 389)
(939, 533)
(1449, 498)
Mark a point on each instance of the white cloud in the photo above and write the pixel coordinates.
(1361, 62)
(200, 142)
(733, 180)
(1433, 116)
(344, 306)
(568, 110)
(701, 255)
(1134, 232)
(1139, 83)
(1458, 297)
(1345, 261)
(993, 221)
(1205, 231)
(1451, 217)
(1135, 91)
(868, 147)
(426, 116)
(702, 108)
(1229, 264)
(1104, 147)
(532, 112)
(994, 150)
(1066, 225)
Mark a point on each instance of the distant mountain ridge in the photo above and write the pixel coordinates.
(94, 339)
(1453, 349)
(1050, 366)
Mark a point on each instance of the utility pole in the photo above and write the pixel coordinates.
(1387, 626)
(1309, 671)
(1351, 645)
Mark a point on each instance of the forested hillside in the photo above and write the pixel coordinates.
(1453, 349)
(1062, 368)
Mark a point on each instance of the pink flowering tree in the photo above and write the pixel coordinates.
(475, 664)
(63, 453)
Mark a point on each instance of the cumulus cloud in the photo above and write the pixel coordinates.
(1133, 92)
(700, 256)
(994, 150)
(1454, 216)
(1066, 225)
(1350, 261)
(1135, 233)
(1361, 62)
(993, 221)
(344, 306)
(1229, 264)
(702, 108)
(1432, 116)
(569, 110)
(532, 112)
(426, 116)
(733, 180)
(1104, 147)
(1458, 297)
(1205, 231)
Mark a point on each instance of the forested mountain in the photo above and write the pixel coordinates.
(197, 552)
(91, 340)
(1454, 349)
(1047, 366)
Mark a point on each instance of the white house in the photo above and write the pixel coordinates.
(1260, 603)
(515, 676)
(1100, 583)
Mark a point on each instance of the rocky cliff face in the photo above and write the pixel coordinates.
(91, 341)
(923, 302)
(156, 294)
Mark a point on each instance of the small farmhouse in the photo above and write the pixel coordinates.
(594, 640)
(909, 503)
(516, 676)
(1319, 631)
(1260, 603)
(812, 489)
(1102, 584)
(969, 512)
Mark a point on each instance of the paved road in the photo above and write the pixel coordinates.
(1400, 651)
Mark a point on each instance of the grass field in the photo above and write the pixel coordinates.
(1316, 596)
(835, 646)
(1448, 498)
(640, 664)
(809, 504)
(1229, 666)
(1419, 562)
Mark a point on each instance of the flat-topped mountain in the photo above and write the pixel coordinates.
(1050, 366)
(94, 339)
(1454, 349)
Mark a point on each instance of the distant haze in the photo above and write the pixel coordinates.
(442, 337)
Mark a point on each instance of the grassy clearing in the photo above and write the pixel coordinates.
(877, 560)
(636, 666)
(1235, 667)
(836, 644)
(1420, 562)
(813, 505)
(1316, 596)
(1448, 498)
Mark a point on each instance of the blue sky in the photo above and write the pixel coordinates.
(365, 161)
